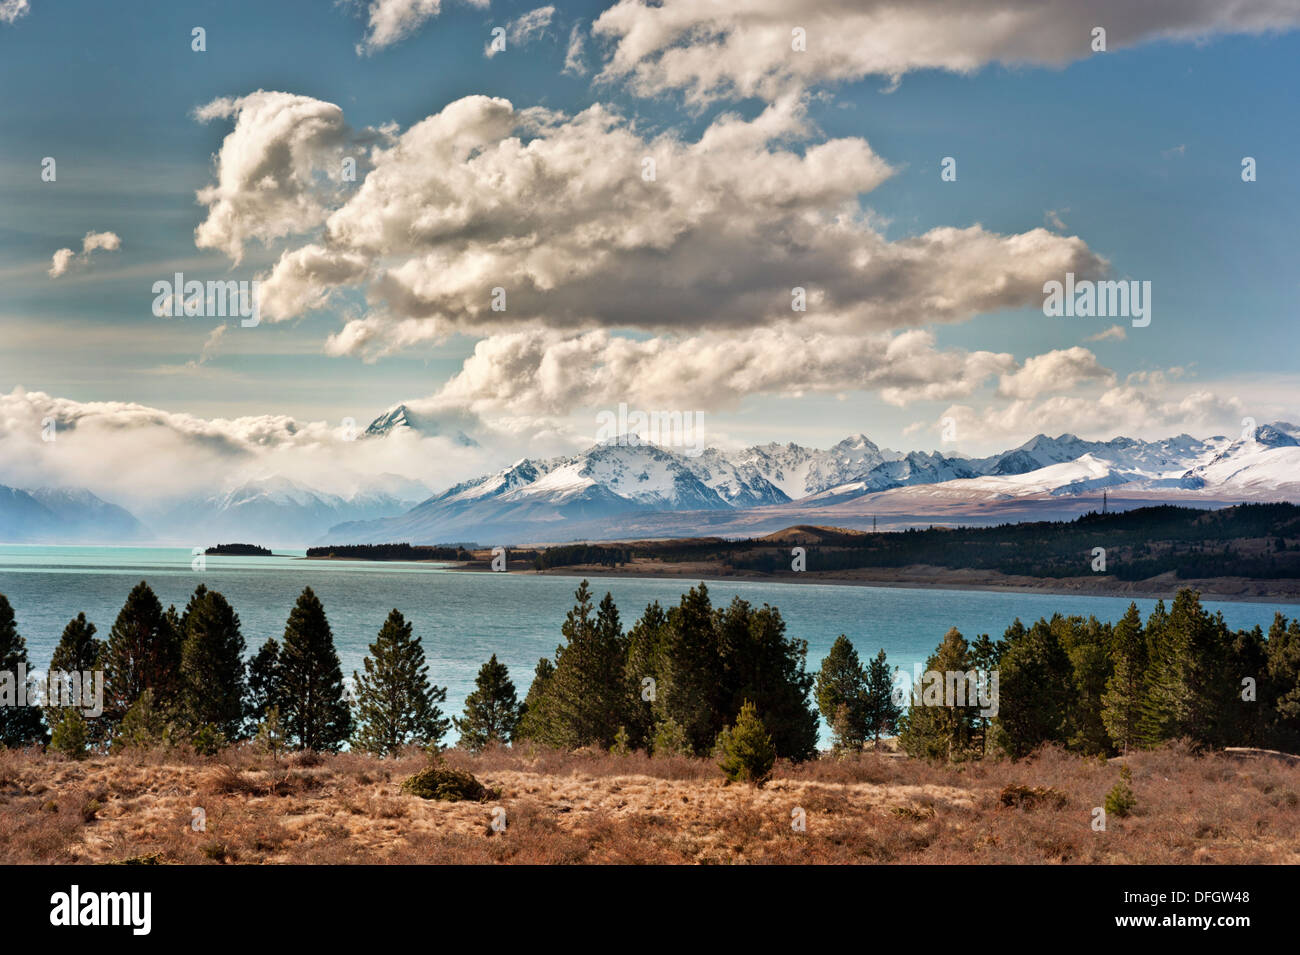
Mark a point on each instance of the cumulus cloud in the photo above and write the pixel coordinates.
(388, 21)
(582, 221)
(278, 171)
(1054, 371)
(549, 373)
(64, 259)
(11, 10)
(744, 47)
(1124, 409)
(524, 29)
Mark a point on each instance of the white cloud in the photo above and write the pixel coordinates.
(389, 21)
(1116, 333)
(561, 212)
(743, 47)
(278, 171)
(524, 29)
(1054, 371)
(575, 62)
(11, 10)
(65, 259)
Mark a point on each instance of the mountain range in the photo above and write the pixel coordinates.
(622, 489)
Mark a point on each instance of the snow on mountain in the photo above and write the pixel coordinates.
(62, 514)
(401, 418)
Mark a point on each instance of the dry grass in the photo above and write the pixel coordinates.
(597, 808)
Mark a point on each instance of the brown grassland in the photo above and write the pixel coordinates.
(591, 807)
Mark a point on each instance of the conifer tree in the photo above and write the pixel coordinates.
(1283, 688)
(19, 725)
(764, 666)
(535, 718)
(79, 652)
(881, 709)
(642, 674)
(264, 680)
(491, 711)
(396, 705)
(690, 690)
(143, 653)
(1035, 685)
(935, 726)
(745, 750)
(214, 685)
(587, 697)
(313, 709)
(842, 694)
(985, 654)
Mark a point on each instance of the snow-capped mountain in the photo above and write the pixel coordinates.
(401, 418)
(616, 490)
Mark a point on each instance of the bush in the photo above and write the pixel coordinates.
(450, 785)
(1120, 801)
(1031, 797)
(70, 734)
(670, 740)
(745, 751)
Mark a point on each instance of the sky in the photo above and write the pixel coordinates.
(793, 145)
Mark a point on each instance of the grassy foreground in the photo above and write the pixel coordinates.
(595, 807)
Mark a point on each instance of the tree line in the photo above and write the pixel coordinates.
(691, 679)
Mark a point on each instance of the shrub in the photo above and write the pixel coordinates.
(70, 734)
(1031, 797)
(1120, 801)
(451, 785)
(745, 751)
(670, 740)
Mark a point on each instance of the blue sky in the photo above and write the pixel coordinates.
(1136, 151)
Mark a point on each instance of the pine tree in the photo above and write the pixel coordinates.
(937, 727)
(842, 694)
(587, 699)
(315, 714)
(264, 681)
(214, 688)
(143, 653)
(690, 688)
(881, 709)
(1035, 685)
(19, 725)
(491, 711)
(1122, 701)
(642, 674)
(1283, 687)
(71, 734)
(745, 750)
(79, 652)
(985, 654)
(396, 705)
(762, 665)
(1189, 687)
(535, 718)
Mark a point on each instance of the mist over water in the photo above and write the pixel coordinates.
(463, 618)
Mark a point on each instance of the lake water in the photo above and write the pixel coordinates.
(464, 617)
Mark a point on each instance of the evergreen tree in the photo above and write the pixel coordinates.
(985, 654)
(1189, 688)
(1035, 684)
(143, 653)
(691, 691)
(395, 703)
(214, 687)
(535, 718)
(1283, 698)
(264, 681)
(936, 725)
(644, 642)
(881, 708)
(79, 652)
(760, 664)
(314, 712)
(491, 711)
(841, 693)
(587, 699)
(19, 725)
(745, 750)
(1087, 644)
(71, 734)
